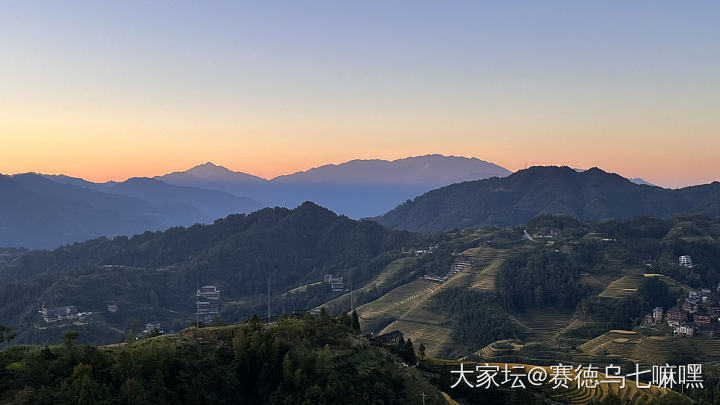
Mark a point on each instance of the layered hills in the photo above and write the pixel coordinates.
(46, 211)
(358, 188)
(40, 212)
(590, 195)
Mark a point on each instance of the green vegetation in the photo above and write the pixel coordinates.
(592, 195)
(478, 317)
(540, 278)
(554, 296)
(314, 360)
(153, 276)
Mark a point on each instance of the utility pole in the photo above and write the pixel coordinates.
(351, 295)
(197, 315)
(423, 397)
(268, 303)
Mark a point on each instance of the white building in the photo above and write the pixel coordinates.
(686, 261)
(657, 314)
(685, 329)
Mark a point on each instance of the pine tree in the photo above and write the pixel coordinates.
(6, 334)
(355, 321)
(409, 352)
(69, 337)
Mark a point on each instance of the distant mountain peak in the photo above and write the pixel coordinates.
(430, 170)
(209, 171)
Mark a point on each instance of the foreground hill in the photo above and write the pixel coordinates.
(153, 276)
(589, 196)
(315, 360)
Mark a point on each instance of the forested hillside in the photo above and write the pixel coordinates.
(314, 360)
(153, 276)
(591, 195)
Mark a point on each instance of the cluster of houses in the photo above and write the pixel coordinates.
(698, 315)
(419, 252)
(458, 265)
(66, 312)
(335, 283)
(152, 327)
(545, 233)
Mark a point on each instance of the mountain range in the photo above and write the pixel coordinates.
(358, 188)
(46, 211)
(589, 195)
(41, 212)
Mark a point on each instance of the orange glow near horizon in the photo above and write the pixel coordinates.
(116, 145)
(122, 90)
(116, 156)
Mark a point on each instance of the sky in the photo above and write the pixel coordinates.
(111, 90)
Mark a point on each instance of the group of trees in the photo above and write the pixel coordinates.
(6, 334)
(405, 349)
(627, 312)
(152, 276)
(478, 318)
(315, 359)
(542, 277)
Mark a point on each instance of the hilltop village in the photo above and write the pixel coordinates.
(697, 314)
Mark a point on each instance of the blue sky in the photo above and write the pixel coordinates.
(273, 87)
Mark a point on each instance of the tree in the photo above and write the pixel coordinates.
(421, 351)
(355, 321)
(132, 323)
(69, 337)
(6, 334)
(409, 352)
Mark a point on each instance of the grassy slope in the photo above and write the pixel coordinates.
(350, 350)
(407, 308)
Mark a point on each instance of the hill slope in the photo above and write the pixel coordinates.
(39, 213)
(590, 195)
(153, 276)
(286, 362)
(212, 203)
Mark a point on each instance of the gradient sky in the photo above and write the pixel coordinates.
(113, 89)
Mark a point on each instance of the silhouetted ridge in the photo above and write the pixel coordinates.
(589, 196)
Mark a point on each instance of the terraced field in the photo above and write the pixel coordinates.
(649, 349)
(673, 285)
(302, 288)
(628, 285)
(601, 343)
(544, 324)
(396, 302)
(595, 280)
(486, 266)
(390, 271)
(433, 336)
(407, 308)
(625, 286)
